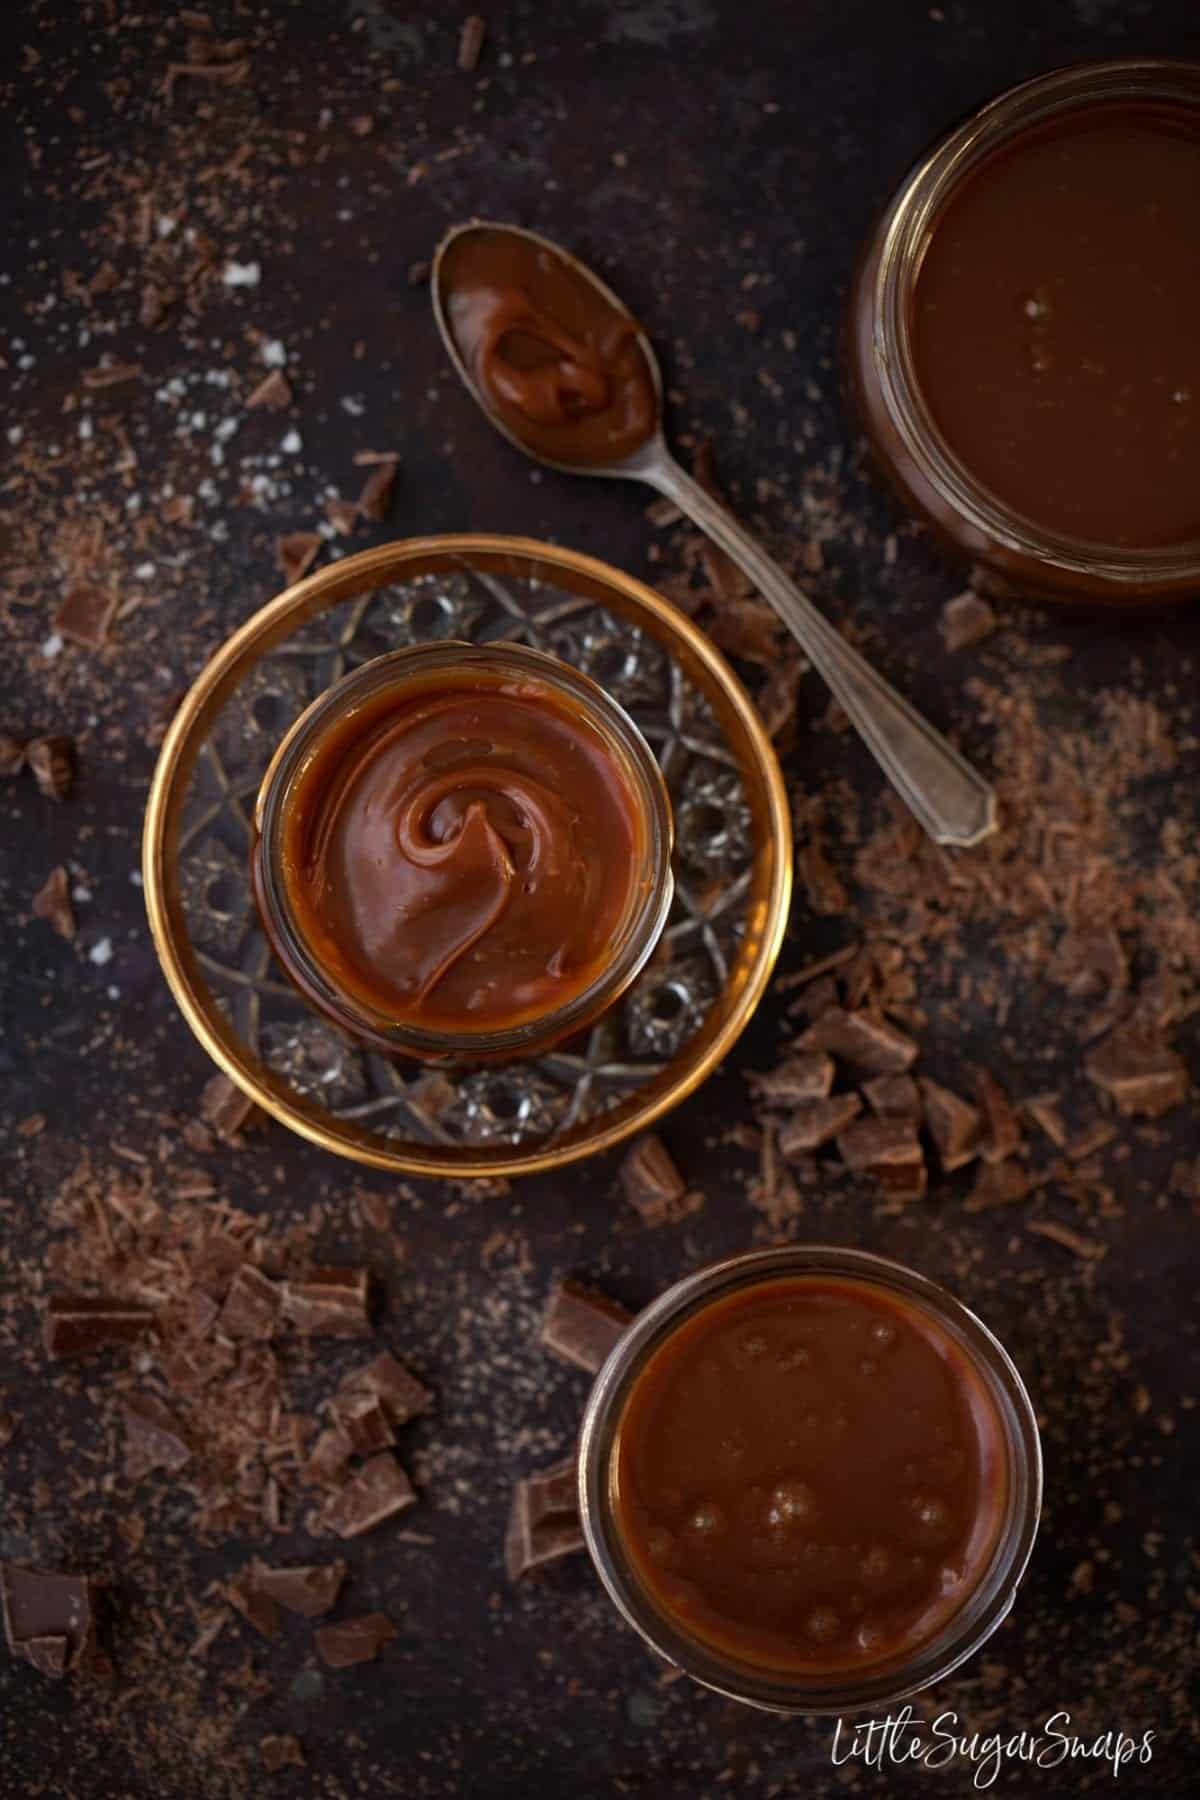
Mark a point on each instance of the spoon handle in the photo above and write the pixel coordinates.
(943, 791)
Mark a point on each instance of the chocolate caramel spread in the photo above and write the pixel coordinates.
(557, 364)
(460, 856)
(811, 1475)
(1055, 324)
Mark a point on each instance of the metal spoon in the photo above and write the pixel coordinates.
(953, 803)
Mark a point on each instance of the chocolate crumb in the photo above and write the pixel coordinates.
(52, 763)
(274, 391)
(418, 275)
(281, 1752)
(954, 1124)
(252, 1306)
(52, 902)
(12, 754)
(1002, 1133)
(379, 1491)
(1074, 1241)
(10, 1424)
(543, 1522)
(376, 496)
(76, 1324)
(153, 1439)
(1043, 1110)
(296, 553)
(354, 1640)
(817, 1122)
(256, 1607)
(309, 1591)
(361, 125)
(966, 620)
(329, 1302)
(582, 1326)
(471, 41)
(862, 1039)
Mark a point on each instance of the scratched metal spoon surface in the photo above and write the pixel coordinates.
(948, 797)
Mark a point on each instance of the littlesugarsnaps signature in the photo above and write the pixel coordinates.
(901, 1737)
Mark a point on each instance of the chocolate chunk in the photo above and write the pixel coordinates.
(954, 1124)
(201, 1313)
(862, 1039)
(296, 553)
(354, 1640)
(252, 1306)
(652, 1184)
(1002, 1132)
(379, 1491)
(582, 1326)
(343, 515)
(153, 1439)
(875, 1143)
(226, 1108)
(1043, 1110)
(12, 754)
(52, 902)
(543, 1522)
(999, 1184)
(817, 1122)
(52, 763)
(1142, 1074)
(401, 1393)
(797, 1079)
(376, 495)
(893, 1097)
(1089, 963)
(822, 886)
(330, 1455)
(76, 1324)
(281, 1751)
(256, 1607)
(364, 1421)
(49, 1619)
(329, 1302)
(470, 42)
(85, 613)
(274, 391)
(966, 620)
(309, 1591)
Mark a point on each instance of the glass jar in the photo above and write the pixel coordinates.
(416, 669)
(1012, 553)
(874, 1684)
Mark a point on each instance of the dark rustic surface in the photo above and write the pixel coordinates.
(715, 160)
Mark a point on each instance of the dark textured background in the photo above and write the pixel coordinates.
(708, 156)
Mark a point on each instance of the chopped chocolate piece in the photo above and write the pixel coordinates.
(364, 1421)
(52, 763)
(109, 374)
(376, 495)
(153, 1439)
(226, 1108)
(1142, 1074)
(78, 1323)
(342, 514)
(1094, 1137)
(201, 1314)
(379, 1491)
(543, 1522)
(894, 1097)
(823, 889)
(402, 1394)
(1043, 1110)
(329, 1302)
(154, 303)
(330, 1455)
(1002, 1132)
(866, 1041)
(12, 754)
(1088, 963)
(52, 902)
(798, 1078)
(470, 42)
(1069, 1239)
(252, 1306)
(296, 553)
(274, 391)
(353, 1640)
(256, 1607)
(582, 1326)
(954, 1124)
(281, 1752)
(42, 1611)
(966, 620)
(177, 510)
(817, 1122)
(31, 1126)
(999, 1184)
(874, 1143)
(652, 1184)
(309, 1591)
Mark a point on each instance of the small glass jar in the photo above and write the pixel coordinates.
(651, 892)
(1011, 553)
(874, 1684)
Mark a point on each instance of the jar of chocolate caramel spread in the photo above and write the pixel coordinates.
(810, 1479)
(556, 358)
(1024, 338)
(463, 851)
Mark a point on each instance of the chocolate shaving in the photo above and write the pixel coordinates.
(281, 1751)
(256, 1607)
(52, 763)
(954, 1125)
(862, 1039)
(894, 1097)
(310, 1590)
(76, 1324)
(229, 72)
(797, 1079)
(1002, 1133)
(274, 391)
(817, 1122)
(342, 514)
(966, 620)
(153, 1439)
(296, 553)
(52, 902)
(1043, 1110)
(1141, 1074)
(376, 495)
(582, 1326)
(48, 1619)
(543, 1522)
(226, 1108)
(402, 1394)
(470, 42)
(329, 1302)
(111, 374)
(378, 1492)
(354, 1640)
(252, 1306)
(1069, 1239)
(652, 1184)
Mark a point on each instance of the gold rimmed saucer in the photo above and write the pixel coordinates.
(733, 859)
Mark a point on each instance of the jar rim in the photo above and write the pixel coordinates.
(641, 929)
(770, 1690)
(903, 236)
